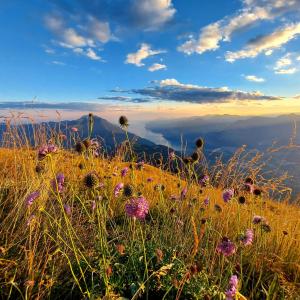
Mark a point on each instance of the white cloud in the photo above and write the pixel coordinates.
(156, 67)
(254, 78)
(144, 52)
(90, 53)
(100, 30)
(266, 43)
(298, 58)
(252, 12)
(59, 63)
(283, 62)
(208, 40)
(286, 71)
(152, 14)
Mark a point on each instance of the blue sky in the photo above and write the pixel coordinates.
(152, 53)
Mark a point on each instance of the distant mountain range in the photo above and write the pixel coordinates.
(225, 134)
(111, 136)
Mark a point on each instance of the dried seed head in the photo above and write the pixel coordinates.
(199, 143)
(128, 190)
(80, 147)
(91, 180)
(123, 121)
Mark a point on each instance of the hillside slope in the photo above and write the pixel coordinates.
(67, 230)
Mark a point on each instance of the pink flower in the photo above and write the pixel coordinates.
(46, 149)
(233, 286)
(149, 179)
(248, 237)
(67, 209)
(31, 197)
(58, 183)
(124, 171)
(183, 193)
(118, 188)
(226, 247)
(228, 194)
(137, 208)
(74, 129)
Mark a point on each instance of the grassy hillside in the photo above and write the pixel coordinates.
(76, 226)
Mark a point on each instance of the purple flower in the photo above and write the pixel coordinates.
(137, 208)
(58, 183)
(140, 165)
(204, 181)
(30, 219)
(149, 179)
(226, 247)
(118, 188)
(183, 193)
(258, 219)
(228, 194)
(248, 237)
(124, 171)
(67, 209)
(206, 201)
(31, 197)
(172, 155)
(93, 205)
(46, 149)
(233, 286)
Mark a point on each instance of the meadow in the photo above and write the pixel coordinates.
(76, 223)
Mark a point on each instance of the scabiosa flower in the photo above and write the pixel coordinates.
(128, 190)
(206, 201)
(118, 188)
(58, 183)
(137, 208)
(91, 180)
(172, 155)
(233, 286)
(124, 171)
(228, 194)
(183, 193)
(74, 129)
(195, 156)
(204, 181)
(226, 247)
(67, 209)
(140, 165)
(257, 219)
(123, 121)
(31, 197)
(247, 239)
(199, 143)
(46, 149)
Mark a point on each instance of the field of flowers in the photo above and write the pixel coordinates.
(76, 224)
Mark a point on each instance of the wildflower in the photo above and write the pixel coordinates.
(257, 192)
(150, 179)
(172, 155)
(80, 147)
(45, 150)
(31, 197)
(128, 190)
(266, 227)
(124, 171)
(140, 165)
(257, 219)
(199, 143)
(233, 286)
(242, 200)
(137, 208)
(67, 209)
(228, 194)
(226, 247)
(91, 180)
(206, 201)
(118, 188)
(123, 121)
(218, 208)
(74, 129)
(58, 183)
(247, 239)
(183, 193)
(204, 181)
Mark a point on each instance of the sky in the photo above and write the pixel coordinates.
(150, 58)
